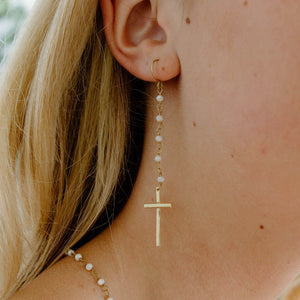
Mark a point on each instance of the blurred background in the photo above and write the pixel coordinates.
(12, 15)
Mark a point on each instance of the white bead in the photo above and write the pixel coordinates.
(159, 118)
(71, 252)
(110, 298)
(157, 158)
(78, 256)
(89, 267)
(159, 98)
(160, 179)
(158, 138)
(101, 282)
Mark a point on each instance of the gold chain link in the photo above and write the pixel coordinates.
(159, 107)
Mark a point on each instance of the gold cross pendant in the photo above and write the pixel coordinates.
(158, 205)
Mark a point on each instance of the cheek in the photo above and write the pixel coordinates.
(259, 100)
(263, 134)
(253, 74)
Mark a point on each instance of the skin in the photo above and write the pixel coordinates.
(230, 155)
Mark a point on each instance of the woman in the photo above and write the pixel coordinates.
(74, 97)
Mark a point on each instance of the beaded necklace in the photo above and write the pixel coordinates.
(90, 268)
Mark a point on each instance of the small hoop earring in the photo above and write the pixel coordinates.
(154, 61)
(159, 83)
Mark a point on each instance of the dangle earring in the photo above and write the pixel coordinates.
(159, 118)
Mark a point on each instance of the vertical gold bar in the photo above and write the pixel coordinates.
(157, 227)
(157, 218)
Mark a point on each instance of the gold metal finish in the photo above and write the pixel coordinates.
(159, 83)
(154, 61)
(158, 205)
(155, 205)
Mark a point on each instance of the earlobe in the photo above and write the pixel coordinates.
(135, 37)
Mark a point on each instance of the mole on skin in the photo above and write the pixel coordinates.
(245, 3)
(194, 124)
(188, 20)
(261, 227)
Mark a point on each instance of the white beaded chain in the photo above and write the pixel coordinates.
(159, 118)
(158, 138)
(90, 268)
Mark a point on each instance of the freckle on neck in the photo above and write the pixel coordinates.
(188, 21)
(263, 151)
(245, 3)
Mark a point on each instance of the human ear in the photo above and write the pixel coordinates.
(136, 33)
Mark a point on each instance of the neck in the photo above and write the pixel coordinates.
(215, 244)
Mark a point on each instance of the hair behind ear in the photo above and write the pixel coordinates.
(64, 129)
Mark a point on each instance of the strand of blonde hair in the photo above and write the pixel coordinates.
(64, 122)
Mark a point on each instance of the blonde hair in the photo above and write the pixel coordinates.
(292, 292)
(65, 131)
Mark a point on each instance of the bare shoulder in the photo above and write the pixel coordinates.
(64, 280)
